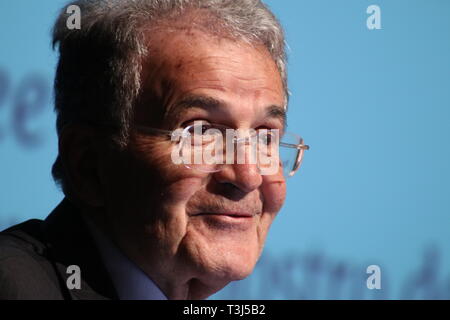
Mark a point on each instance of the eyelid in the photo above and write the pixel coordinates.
(194, 121)
(205, 121)
(271, 127)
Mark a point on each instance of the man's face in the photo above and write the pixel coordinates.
(183, 225)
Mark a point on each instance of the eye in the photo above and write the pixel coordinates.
(198, 127)
(201, 133)
(267, 137)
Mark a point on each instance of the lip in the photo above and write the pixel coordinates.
(231, 214)
(227, 221)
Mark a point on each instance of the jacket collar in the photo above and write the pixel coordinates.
(70, 243)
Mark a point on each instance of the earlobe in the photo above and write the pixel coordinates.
(80, 153)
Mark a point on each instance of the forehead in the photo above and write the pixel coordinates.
(186, 62)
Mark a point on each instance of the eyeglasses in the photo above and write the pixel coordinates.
(208, 147)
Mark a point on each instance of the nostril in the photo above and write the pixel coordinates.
(231, 191)
(230, 186)
(242, 177)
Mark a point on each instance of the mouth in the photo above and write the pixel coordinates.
(237, 215)
(231, 220)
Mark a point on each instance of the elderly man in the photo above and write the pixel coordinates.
(135, 224)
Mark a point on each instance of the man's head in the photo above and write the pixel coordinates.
(165, 65)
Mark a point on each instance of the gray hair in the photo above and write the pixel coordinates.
(98, 73)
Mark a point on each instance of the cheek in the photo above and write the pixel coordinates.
(157, 176)
(147, 191)
(177, 194)
(168, 222)
(274, 194)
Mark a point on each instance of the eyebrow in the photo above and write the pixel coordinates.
(209, 103)
(277, 112)
(195, 101)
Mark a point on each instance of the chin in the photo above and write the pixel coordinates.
(229, 263)
(221, 254)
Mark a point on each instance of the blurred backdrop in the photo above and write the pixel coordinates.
(374, 104)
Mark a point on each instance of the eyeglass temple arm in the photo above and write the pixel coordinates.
(296, 146)
(151, 130)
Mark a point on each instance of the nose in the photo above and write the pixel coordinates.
(243, 173)
(245, 177)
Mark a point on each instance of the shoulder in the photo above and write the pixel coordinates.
(25, 270)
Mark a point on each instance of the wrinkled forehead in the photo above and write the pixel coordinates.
(182, 62)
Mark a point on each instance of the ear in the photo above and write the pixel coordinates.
(80, 149)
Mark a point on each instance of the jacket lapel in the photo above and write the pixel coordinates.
(70, 243)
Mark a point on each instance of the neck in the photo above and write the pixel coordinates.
(189, 288)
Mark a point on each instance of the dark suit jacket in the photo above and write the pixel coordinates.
(35, 254)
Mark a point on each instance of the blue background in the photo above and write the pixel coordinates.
(373, 104)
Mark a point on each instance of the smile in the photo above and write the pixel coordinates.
(227, 220)
(227, 214)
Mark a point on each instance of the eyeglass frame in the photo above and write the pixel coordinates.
(301, 147)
